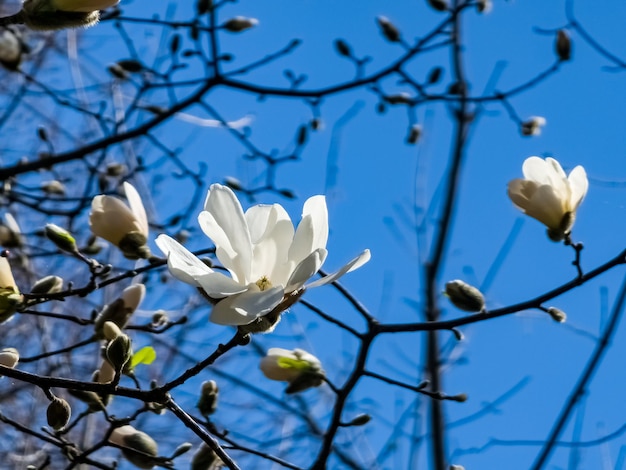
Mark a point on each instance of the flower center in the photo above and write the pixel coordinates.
(264, 283)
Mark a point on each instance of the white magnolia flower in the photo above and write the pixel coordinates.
(301, 369)
(269, 262)
(547, 194)
(11, 48)
(10, 232)
(9, 357)
(533, 125)
(124, 226)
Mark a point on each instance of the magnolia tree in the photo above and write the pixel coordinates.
(156, 283)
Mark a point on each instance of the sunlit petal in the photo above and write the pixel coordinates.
(356, 263)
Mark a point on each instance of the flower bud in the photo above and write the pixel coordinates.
(119, 351)
(533, 125)
(10, 233)
(58, 413)
(301, 369)
(484, 6)
(399, 98)
(360, 420)
(239, 24)
(207, 403)
(205, 459)
(233, 183)
(61, 238)
(116, 169)
(457, 467)
(120, 310)
(124, 226)
(460, 398)
(11, 48)
(9, 357)
(181, 449)
(53, 187)
(138, 447)
(563, 45)
(415, 132)
(90, 398)
(464, 296)
(389, 30)
(60, 14)
(47, 285)
(557, 314)
(10, 297)
(439, 5)
(111, 331)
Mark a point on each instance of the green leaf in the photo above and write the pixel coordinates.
(145, 355)
(291, 363)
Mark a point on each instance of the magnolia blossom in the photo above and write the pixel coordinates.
(301, 369)
(269, 262)
(121, 309)
(124, 226)
(60, 14)
(9, 357)
(547, 194)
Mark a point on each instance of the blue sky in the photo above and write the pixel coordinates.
(380, 179)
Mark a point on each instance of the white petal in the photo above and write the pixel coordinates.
(183, 264)
(136, 206)
(241, 309)
(316, 207)
(312, 231)
(224, 222)
(356, 263)
(217, 285)
(306, 269)
(579, 185)
(546, 207)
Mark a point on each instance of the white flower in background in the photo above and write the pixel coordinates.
(547, 194)
(124, 226)
(53, 187)
(533, 125)
(301, 369)
(10, 296)
(11, 47)
(59, 14)
(269, 262)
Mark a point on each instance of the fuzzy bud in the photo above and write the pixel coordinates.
(120, 310)
(47, 285)
(415, 132)
(438, 5)
(207, 403)
(53, 187)
(111, 331)
(557, 314)
(360, 420)
(9, 357)
(138, 447)
(464, 296)
(239, 24)
(389, 30)
(532, 126)
(563, 45)
(61, 238)
(205, 459)
(119, 351)
(58, 413)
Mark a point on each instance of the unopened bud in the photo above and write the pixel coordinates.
(53, 187)
(389, 30)
(111, 331)
(461, 397)
(360, 420)
(116, 169)
(399, 98)
(233, 183)
(343, 48)
(533, 125)
(138, 447)
(119, 351)
(457, 467)
(239, 24)
(464, 296)
(439, 5)
(205, 459)
(557, 314)
(563, 45)
(58, 413)
(181, 449)
(9, 357)
(47, 285)
(90, 398)
(415, 132)
(207, 403)
(61, 238)
(484, 6)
